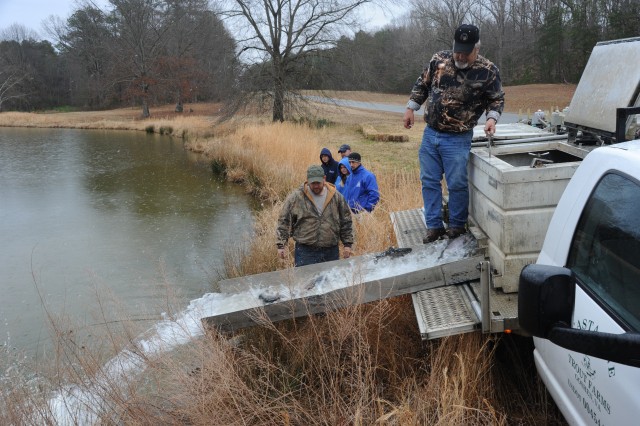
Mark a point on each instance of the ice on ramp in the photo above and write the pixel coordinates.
(316, 288)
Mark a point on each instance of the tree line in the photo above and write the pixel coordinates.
(145, 52)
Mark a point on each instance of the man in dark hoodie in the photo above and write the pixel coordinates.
(329, 165)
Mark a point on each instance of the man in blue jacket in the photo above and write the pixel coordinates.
(361, 192)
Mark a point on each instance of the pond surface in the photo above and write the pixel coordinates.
(91, 216)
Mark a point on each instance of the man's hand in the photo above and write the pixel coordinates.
(490, 126)
(281, 253)
(408, 119)
(346, 252)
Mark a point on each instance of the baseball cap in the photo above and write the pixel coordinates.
(315, 174)
(465, 38)
(354, 156)
(344, 148)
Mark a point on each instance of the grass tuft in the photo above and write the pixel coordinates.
(166, 130)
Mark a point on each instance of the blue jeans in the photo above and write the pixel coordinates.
(446, 153)
(308, 255)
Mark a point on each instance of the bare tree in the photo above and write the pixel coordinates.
(11, 74)
(444, 16)
(280, 33)
(498, 11)
(84, 40)
(19, 33)
(200, 53)
(138, 41)
(11, 79)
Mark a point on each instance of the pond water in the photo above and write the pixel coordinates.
(88, 217)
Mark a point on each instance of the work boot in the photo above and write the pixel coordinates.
(433, 234)
(455, 232)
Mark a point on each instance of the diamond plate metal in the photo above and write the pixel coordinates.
(444, 311)
(409, 227)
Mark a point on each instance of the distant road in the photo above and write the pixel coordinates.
(506, 117)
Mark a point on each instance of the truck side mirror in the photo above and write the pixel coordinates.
(545, 299)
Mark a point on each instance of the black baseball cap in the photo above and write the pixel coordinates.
(465, 38)
(344, 148)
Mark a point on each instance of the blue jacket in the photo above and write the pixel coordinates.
(362, 190)
(342, 186)
(331, 168)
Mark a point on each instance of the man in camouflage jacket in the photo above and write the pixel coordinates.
(317, 216)
(458, 86)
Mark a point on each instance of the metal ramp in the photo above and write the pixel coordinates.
(457, 309)
(444, 311)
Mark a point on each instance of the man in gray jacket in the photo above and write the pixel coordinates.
(317, 216)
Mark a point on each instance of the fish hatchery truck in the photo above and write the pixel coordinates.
(581, 298)
(575, 290)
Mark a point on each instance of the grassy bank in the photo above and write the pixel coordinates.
(357, 365)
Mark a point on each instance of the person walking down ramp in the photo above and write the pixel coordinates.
(361, 191)
(318, 218)
(458, 86)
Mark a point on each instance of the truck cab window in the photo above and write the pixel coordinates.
(605, 251)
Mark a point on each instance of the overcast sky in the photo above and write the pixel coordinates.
(31, 13)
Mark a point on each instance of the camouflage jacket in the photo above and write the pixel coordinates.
(300, 219)
(457, 98)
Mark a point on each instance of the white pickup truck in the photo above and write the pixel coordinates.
(581, 300)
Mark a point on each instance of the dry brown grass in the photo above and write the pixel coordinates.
(538, 96)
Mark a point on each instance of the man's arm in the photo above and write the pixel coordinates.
(490, 126)
(283, 228)
(409, 118)
(346, 224)
(419, 94)
(495, 102)
(373, 194)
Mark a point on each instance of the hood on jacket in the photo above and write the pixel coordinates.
(325, 151)
(345, 163)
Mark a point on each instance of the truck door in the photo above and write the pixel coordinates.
(605, 257)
